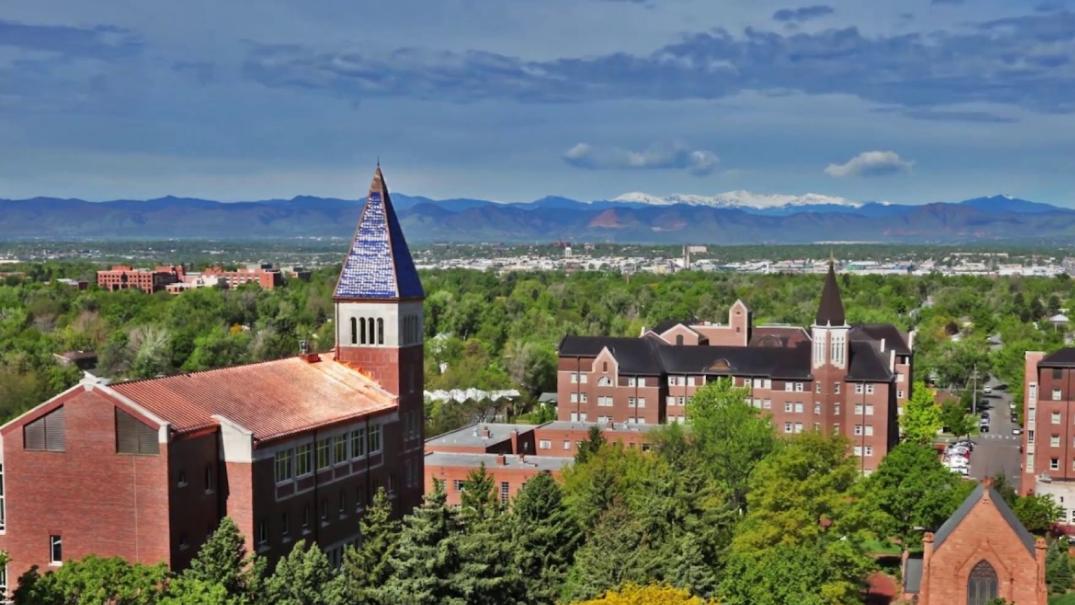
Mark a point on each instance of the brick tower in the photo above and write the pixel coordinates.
(379, 325)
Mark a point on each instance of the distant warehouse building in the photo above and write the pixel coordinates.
(291, 449)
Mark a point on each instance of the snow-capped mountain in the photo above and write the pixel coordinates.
(739, 199)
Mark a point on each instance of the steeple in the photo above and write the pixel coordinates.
(831, 310)
(378, 265)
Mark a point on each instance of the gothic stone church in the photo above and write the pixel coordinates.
(981, 553)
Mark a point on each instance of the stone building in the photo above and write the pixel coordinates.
(291, 449)
(834, 377)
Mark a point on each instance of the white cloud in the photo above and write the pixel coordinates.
(699, 162)
(738, 199)
(870, 163)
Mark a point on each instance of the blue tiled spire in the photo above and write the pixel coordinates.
(378, 265)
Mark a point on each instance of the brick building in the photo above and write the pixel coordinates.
(981, 553)
(513, 453)
(267, 278)
(1048, 461)
(290, 449)
(123, 277)
(835, 378)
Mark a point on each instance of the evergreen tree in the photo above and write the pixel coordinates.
(223, 560)
(366, 569)
(427, 558)
(479, 499)
(594, 440)
(487, 574)
(544, 537)
(303, 577)
(1058, 573)
(617, 551)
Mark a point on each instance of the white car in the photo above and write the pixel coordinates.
(960, 470)
(956, 462)
(987, 390)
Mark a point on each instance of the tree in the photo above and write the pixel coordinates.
(93, 580)
(487, 574)
(956, 419)
(479, 499)
(651, 594)
(223, 560)
(617, 551)
(910, 492)
(544, 538)
(1058, 573)
(366, 568)
(1037, 512)
(427, 558)
(595, 438)
(190, 591)
(303, 577)
(921, 419)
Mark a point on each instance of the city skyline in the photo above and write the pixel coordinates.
(907, 102)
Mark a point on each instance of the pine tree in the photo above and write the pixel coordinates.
(223, 560)
(303, 577)
(427, 558)
(594, 440)
(616, 552)
(479, 495)
(487, 574)
(544, 538)
(1058, 567)
(366, 569)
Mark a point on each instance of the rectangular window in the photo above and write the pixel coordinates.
(505, 489)
(1054, 464)
(323, 450)
(285, 527)
(799, 408)
(858, 388)
(766, 404)
(869, 389)
(1054, 440)
(375, 439)
(1055, 417)
(788, 406)
(817, 388)
(1056, 394)
(263, 532)
(545, 444)
(604, 401)
(899, 393)
(567, 445)
(836, 409)
(799, 387)
(55, 550)
(787, 427)
(1032, 395)
(358, 443)
(340, 454)
(836, 388)
(283, 466)
(788, 387)
(817, 408)
(457, 484)
(207, 477)
(798, 427)
(303, 460)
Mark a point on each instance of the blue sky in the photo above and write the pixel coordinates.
(907, 101)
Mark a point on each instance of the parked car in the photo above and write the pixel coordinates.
(984, 427)
(987, 390)
(1017, 430)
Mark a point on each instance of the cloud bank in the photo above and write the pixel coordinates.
(870, 163)
(699, 162)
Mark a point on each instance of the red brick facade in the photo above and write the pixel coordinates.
(122, 277)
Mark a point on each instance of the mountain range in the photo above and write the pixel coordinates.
(736, 217)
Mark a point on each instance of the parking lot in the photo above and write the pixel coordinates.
(997, 451)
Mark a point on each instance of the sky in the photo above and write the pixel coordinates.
(907, 101)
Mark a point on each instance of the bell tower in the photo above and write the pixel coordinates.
(379, 326)
(830, 329)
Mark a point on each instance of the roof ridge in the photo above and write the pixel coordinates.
(208, 370)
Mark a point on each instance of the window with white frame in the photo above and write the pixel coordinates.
(358, 442)
(1032, 392)
(869, 389)
(639, 402)
(817, 387)
(799, 387)
(340, 449)
(545, 444)
(1054, 440)
(375, 439)
(788, 427)
(604, 401)
(604, 381)
(836, 409)
(1055, 417)
(817, 408)
(766, 404)
(836, 388)
(798, 427)
(1056, 395)
(55, 550)
(567, 444)
(799, 407)
(324, 448)
(858, 388)
(789, 407)
(1054, 464)
(789, 387)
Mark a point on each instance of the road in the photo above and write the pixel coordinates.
(998, 450)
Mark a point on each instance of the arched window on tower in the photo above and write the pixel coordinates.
(354, 331)
(380, 331)
(362, 320)
(372, 334)
(982, 584)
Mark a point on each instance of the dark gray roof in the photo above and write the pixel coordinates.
(831, 310)
(1064, 358)
(634, 355)
(893, 338)
(964, 509)
(912, 574)
(492, 461)
(867, 364)
(665, 325)
(474, 434)
(738, 361)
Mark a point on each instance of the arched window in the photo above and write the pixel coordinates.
(354, 331)
(380, 331)
(362, 320)
(982, 584)
(372, 335)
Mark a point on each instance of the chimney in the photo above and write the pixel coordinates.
(515, 441)
(882, 345)
(485, 432)
(501, 460)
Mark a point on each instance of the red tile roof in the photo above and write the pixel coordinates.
(272, 399)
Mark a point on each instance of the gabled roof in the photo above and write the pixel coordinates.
(972, 500)
(668, 324)
(272, 399)
(831, 310)
(379, 264)
(633, 355)
(1063, 358)
(866, 363)
(778, 336)
(894, 339)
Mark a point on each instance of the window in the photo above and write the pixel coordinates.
(1054, 464)
(1054, 440)
(362, 325)
(836, 409)
(358, 443)
(799, 407)
(545, 444)
(207, 477)
(1056, 394)
(578, 378)
(306, 516)
(375, 439)
(836, 388)
(899, 393)
(1033, 392)
(46, 433)
(605, 401)
(1055, 417)
(341, 507)
(285, 527)
(354, 331)
(636, 402)
(798, 427)
(789, 387)
(380, 331)
(323, 454)
(767, 404)
(55, 550)
(134, 437)
(263, 532)
(283, 466)
(567, 444)
(799, 387)
(817, 388)
(788, 406)
(858, 389)
(604, 381)
(341, 449)
(303, 460)
(3, 580)
(579, 398)
(869, 389)
(982, 584)
(457, 484)
(505, 489)
(817, 408)
(787, 427)
(181, 478)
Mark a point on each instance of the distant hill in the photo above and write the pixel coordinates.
(731, 218)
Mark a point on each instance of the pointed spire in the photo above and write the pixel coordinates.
(379, 265)
(831, 310)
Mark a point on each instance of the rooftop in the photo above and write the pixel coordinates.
(980, 492)
(537, 463)
(1063, 358)
(568, 425)
(272, 399)
(479, 434)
